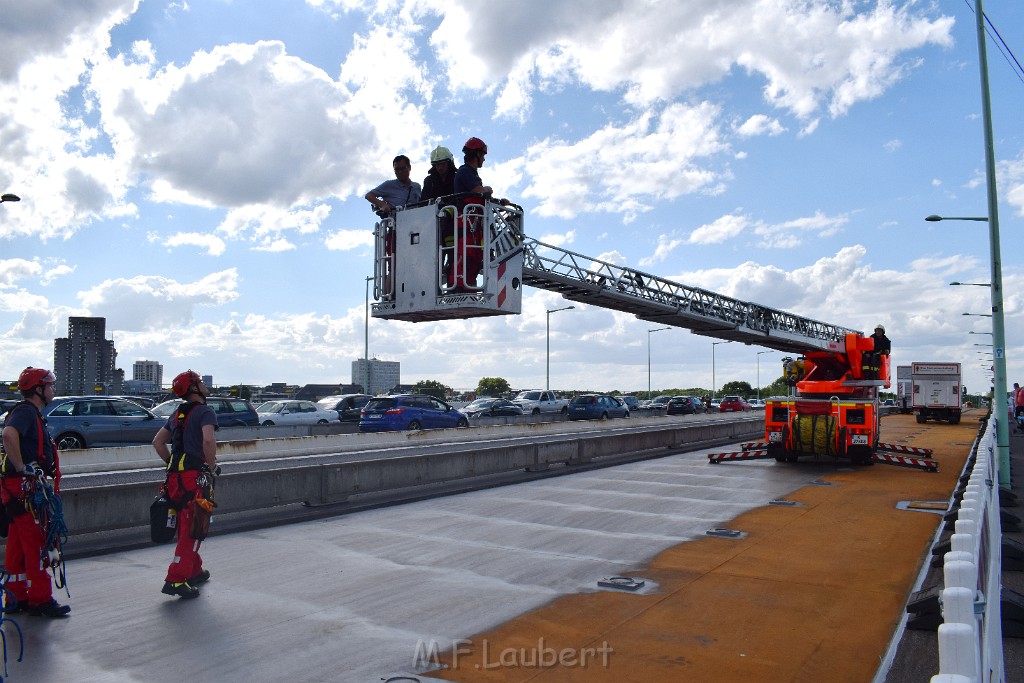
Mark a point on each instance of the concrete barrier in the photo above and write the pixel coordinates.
(108, 507)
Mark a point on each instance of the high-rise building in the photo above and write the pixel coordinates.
(148, 374)
(84, 361)
(376, 376)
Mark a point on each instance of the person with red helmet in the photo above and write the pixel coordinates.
(468, 251)
(188, 446)
(30, 455)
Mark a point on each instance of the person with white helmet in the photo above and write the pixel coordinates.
(30, 456)
(440, 180)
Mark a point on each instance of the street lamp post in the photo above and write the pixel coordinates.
(759, 353)
(995, 258)
(9, 198)
(366, 338)
(973, 284)
(714, 385)
(547, 384)
(649, 332)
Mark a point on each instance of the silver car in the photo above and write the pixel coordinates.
(87, 421)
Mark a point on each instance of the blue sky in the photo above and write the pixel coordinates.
(194, 173)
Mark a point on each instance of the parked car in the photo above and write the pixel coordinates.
(631, 402)
(756, 404)
(87, 421)
(733, 404)
(294, 413)
(231, 412)
(684, 405)
(698, 404)
(715, 405)
(409, 412)
(596, 407)
(493, 407)
(659, 402)
(348, 405)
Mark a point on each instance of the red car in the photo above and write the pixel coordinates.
(733, 404)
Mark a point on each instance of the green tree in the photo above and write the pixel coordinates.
(776, 388)
(737, 388)
(433, 388)
(492, 386)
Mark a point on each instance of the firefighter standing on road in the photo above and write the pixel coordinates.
(191, 462)
(30, 455)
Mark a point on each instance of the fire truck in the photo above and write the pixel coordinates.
(467, 256)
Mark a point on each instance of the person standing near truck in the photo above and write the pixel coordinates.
(191, 463)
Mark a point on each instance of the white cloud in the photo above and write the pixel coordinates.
(12, 270)
(720, 230)
(624, 169)
(213, 245)
(346, 240)
(666, 245)
(759, 124)
(153, 302)
(822, 54)
(788, 233)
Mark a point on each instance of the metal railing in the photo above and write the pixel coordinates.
(970, 637)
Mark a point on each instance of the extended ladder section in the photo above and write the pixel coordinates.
(648, 297)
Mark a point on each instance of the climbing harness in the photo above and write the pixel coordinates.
(4, 619)
(46, 506)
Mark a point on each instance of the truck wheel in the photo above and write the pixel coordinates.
(536, 411)
(920, 419)
(955, 420)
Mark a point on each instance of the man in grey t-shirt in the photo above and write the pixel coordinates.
(397, 193)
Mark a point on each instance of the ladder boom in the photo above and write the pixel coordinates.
(649, 297)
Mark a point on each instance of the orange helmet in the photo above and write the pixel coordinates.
(33, 377)
(184, 382)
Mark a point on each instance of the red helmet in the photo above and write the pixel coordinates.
(34, 377)
(474, 145)
(184, 382)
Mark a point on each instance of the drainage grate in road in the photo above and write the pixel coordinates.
(626, 583)
(719, 532)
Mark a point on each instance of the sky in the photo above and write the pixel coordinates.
(194, 172)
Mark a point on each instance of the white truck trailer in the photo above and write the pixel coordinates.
(937, 391)
(904, 389)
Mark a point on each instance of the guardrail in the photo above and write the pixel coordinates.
(91, 509)
(970, 637)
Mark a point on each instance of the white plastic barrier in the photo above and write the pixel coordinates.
(971, 636)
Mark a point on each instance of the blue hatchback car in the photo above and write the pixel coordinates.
(409, 412)
(596, 407)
